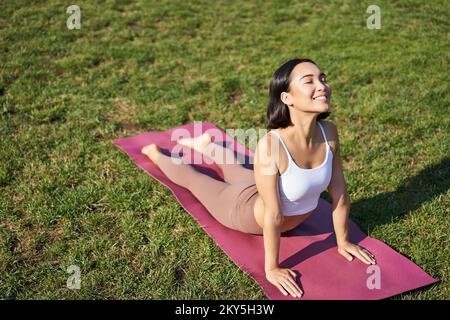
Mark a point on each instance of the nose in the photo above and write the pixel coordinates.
(322, 87)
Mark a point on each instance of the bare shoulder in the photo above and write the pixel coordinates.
(332, 133)
(265, 150)
(265, 143)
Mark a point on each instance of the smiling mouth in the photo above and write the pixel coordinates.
(321, 99)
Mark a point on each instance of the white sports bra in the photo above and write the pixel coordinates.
(300, 188)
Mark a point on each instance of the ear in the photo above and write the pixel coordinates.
(286, 98)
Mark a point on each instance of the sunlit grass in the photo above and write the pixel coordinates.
(69, 197)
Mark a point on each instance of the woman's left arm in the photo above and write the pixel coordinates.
(341, 205)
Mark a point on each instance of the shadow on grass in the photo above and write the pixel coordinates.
(386, 207)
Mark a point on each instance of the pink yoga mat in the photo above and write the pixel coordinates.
(309, 250)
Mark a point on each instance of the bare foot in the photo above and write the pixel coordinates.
(199, 143)
(151, 151)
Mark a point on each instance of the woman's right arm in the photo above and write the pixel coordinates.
(266, 178)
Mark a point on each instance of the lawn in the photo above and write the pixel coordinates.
(68, 196)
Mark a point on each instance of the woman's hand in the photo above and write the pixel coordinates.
(284, 280)
(349, 250)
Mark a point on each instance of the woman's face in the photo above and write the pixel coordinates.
(309, 90)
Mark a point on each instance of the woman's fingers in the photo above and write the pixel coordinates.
(372, 257)
(347, 255)
(363, 252)
(292, 273)
(289, 287)
(358, 252)
(368, 255)
(297, 291)
(294, 276)
(281, 289)
(363, 256)
(284, 280)
(366, 251)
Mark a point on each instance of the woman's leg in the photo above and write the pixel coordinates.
(233, 170)
(218, 197)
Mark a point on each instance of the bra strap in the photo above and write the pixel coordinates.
(282, 142)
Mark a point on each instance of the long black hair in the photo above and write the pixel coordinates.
(277, 112)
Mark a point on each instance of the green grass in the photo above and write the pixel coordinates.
(68, 196)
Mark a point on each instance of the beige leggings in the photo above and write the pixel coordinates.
(231, 201)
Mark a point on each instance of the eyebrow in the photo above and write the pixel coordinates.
(310, 75)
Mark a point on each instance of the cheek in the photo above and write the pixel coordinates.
(305, 93)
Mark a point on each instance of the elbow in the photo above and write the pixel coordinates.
(273, 218)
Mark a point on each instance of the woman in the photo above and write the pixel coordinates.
(294, 162)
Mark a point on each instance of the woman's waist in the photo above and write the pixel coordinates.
(249, 191)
